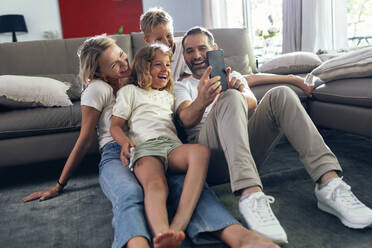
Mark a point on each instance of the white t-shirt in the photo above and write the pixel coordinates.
(187, 90)
(178, 65)
(149, 113)
(100, 95)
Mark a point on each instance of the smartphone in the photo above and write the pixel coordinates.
(215, 58)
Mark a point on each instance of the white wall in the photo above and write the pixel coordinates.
(40, 16)
(185, 13)
(43, 15)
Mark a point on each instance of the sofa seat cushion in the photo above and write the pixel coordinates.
(357, 92)
(37, 121)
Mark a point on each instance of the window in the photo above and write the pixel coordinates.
(264, 19)
(359, 21)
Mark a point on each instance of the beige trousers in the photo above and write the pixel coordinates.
(244, 144)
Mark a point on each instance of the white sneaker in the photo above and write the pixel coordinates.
(260, 218)
(336, 198)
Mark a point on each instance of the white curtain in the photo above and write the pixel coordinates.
(323, 25)
(216, 14)
(292, 25)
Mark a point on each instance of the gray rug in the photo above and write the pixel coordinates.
(81, 216)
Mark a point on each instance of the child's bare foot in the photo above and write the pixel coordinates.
(168, 239)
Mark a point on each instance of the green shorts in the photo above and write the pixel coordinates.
(159, 147)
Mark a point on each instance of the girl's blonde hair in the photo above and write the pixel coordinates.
(142, 65)
(89, 53)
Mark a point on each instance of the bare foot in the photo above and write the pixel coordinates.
(254, 240)
(300, 82)
(168, 239)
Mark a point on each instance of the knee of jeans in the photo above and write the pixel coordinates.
(132, 194)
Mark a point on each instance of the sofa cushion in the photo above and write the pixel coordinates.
(227, 40)
(37, 121)
(25, 91)
(291, 63)
(357, 91)
(355, 64)
(137, 42)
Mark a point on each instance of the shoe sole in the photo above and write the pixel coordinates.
(347, 223)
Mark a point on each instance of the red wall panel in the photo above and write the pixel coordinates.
(81, 18)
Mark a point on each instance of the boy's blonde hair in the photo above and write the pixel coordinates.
(154, 17)
(89, 53)
(142, 65)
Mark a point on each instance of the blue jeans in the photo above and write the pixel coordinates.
(120, 186)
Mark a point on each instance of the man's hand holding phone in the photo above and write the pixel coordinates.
(208, 88)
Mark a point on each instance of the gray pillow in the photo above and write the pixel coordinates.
(72, 80)
(25, 92)
(291, 63)
(355, 64)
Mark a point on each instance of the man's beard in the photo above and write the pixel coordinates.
(197, 71)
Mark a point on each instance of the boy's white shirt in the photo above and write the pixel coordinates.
(178, 65)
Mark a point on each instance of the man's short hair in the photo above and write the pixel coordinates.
(154, 17)
(198, 30)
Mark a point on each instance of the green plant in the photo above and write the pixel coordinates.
(120, 30)
(269, 33)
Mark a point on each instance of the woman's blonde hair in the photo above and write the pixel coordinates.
(154, 17)
(142, 65)
(89, 53)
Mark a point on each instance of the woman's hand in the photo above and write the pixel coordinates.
(44, 194)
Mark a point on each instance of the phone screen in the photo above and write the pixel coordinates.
(215, 58)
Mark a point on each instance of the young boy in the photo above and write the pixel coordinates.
(157, 26)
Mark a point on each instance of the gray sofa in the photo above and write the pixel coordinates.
(42, 134)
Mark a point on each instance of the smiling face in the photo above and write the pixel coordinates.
(160, 70)
(195, 53)
(161, 33)
(113, 64)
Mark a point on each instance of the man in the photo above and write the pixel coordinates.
(222, 124)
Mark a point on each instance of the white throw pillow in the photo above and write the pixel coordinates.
(355, 64)
(291, 63)
(27, 91)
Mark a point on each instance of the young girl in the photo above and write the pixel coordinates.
(148, 108)
(157, 26)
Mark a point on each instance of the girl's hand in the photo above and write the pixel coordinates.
(125, 152)
(44, 194)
